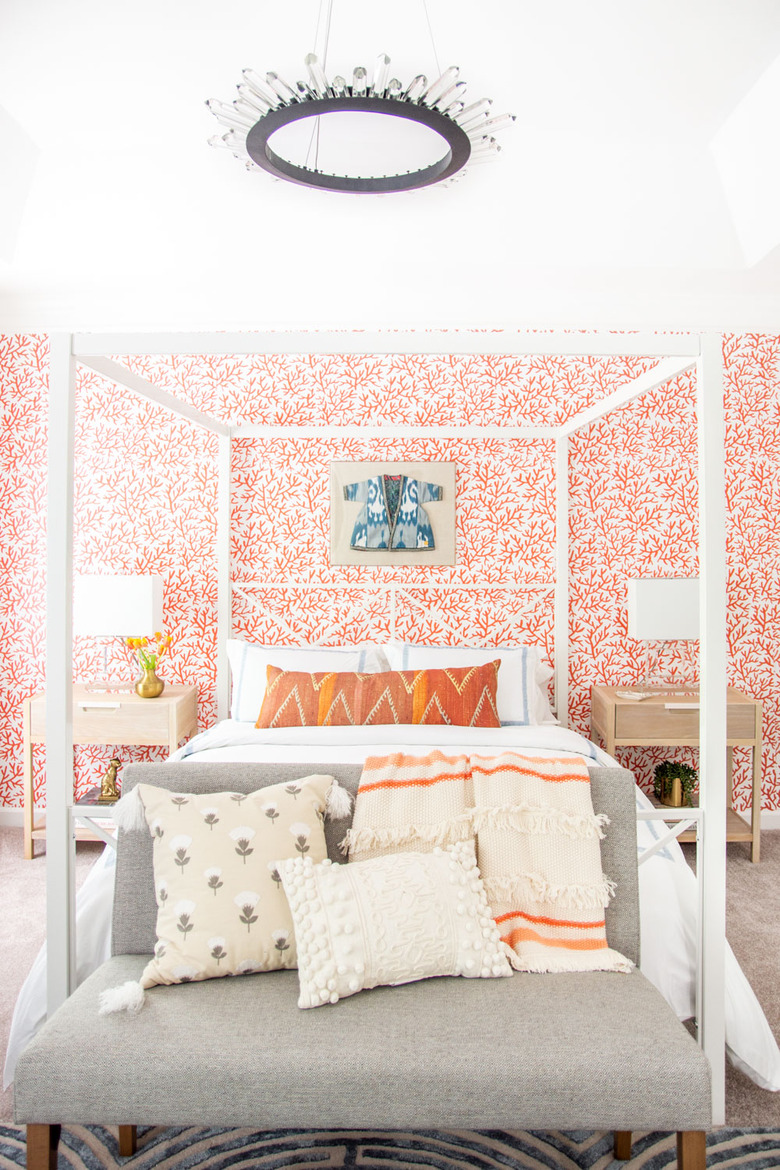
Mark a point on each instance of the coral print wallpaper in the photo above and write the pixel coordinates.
(146, 502)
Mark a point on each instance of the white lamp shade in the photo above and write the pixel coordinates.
(663, 607)
(111, 606)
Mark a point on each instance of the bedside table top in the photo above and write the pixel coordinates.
(620, 697)
(91, 693)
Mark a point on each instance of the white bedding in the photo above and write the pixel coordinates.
(242, 741)
(667, 886)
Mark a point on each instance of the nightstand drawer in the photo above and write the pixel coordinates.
(651, 720)
(128, 722)
(123, 718)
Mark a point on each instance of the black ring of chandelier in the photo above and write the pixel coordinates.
(456, 157)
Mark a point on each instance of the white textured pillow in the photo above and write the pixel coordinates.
(522, 680)
(390, 920)
(248, 663)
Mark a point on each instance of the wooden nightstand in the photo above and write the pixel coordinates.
(110, 718)
(631, 722)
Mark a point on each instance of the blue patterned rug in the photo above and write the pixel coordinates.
(95, 1148)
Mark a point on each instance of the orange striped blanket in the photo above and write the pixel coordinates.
(536, 838)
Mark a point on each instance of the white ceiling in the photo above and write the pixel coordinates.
(606, 208)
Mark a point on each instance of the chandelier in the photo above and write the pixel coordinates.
(264, 106)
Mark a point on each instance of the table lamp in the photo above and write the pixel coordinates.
(112, 607)
(663, 610)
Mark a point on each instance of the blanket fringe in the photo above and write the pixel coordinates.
(512, 955)
(338, 802)
(127, 997)
(525, 887)
(128, 812)
(534, 818)
(443, 833)
(607, 960)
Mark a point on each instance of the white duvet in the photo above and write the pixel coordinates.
(667, 886)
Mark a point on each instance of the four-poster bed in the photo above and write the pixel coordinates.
(676, 354)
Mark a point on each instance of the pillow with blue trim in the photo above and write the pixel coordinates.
(249, 663)
(523, 697)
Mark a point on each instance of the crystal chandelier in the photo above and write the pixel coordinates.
(267, 105)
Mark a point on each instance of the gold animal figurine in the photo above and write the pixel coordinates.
(109, 793)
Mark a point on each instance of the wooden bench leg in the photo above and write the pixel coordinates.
(128, 1140)
(692, 1150)
(622, 1150)
(42, 1143)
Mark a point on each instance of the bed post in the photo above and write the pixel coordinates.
(59, 673)
(712, 697)
(224, 609)
(562, 579)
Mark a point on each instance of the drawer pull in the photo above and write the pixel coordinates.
(87, 705)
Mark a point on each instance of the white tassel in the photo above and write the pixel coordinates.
(338, 802)
(128, 812)
(128, 997)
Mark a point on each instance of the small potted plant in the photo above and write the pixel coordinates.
(674, 783)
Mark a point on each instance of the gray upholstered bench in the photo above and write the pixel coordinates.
(547, 1052)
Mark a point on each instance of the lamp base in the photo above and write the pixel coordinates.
(671, 666)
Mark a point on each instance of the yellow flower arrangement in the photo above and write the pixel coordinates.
(149, 651)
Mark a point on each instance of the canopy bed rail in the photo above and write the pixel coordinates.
(676, 354)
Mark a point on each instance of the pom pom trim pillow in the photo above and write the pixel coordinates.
(523, 696)
(460, 696)
(390, 920)
(249, 662)
(220, 906)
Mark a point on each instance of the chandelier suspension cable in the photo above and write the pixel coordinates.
(328, 20)
(318, 121)
(315, 130)
(433, 39)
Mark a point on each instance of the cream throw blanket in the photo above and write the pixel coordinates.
(537, 842)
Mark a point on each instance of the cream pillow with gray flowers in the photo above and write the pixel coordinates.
(221, 909)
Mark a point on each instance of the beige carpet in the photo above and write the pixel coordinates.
(753, 929)
(753, 908)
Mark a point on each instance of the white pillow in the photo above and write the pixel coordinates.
(390, 920)
(248, 663)
(522, 679)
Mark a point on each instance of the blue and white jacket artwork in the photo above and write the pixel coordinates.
(393, 516)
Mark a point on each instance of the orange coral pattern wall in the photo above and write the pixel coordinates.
(146, 502)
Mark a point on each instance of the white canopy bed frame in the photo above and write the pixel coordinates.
(675, 354)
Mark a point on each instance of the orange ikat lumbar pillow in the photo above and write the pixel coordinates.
(460, 696)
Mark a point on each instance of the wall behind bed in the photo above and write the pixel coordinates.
(145, 502)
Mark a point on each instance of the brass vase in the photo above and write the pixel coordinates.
(149, 686)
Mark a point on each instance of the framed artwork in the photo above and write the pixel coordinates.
(392, 513)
